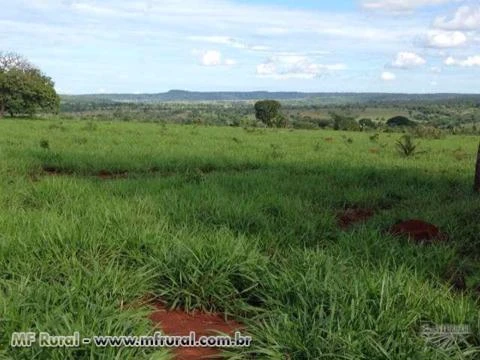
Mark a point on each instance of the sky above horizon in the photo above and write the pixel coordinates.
(150, 46)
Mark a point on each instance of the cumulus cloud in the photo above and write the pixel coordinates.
(228, 41)
(388, 76)
(406, 60)
(445, 39)
(468, 62)
(284, 67)
(400, 5)
(465, 18)
(214, 58)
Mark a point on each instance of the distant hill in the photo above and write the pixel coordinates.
(324, 98)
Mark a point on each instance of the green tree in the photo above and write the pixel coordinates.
(24, 89)
(366, 123)
(400, 121)
(268, 112)
(341, 122)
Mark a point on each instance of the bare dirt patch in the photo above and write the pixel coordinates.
(180, 323)
(418, 231)
(55, 171)
(351, 216)
(107, 175)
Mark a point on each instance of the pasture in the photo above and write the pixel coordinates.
(96, 216)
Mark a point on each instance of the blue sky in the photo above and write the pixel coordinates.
(88, 46)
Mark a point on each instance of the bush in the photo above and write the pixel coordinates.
(428, 132)
(366, 123)
(400, 121)
(406, 146)
(346, 123)
(268, 111)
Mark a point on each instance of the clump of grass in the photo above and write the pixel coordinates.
(406, 146)
(44, 144)
(276, 152)
(80, 140)
(195, 176)
(347, 140)
(90, 126)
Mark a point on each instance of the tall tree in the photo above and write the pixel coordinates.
(24, 89)
(267, 111)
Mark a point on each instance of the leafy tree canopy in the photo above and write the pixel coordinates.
(24, 89)
(400, 121)
(268, 112)
(341, 122)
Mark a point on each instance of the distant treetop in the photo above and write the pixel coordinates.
(400, 121)
(24, 89)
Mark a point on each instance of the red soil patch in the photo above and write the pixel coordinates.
(329, 139)
(180, 323)
(373, 151)
(351, 216)
(418, 230)
(105, 174)
(53, 171)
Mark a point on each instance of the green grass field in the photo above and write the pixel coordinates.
(236, 221)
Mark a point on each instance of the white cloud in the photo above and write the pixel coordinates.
(213, 58)
(266, 69)
(229, 41)
(293, 66)
(230, 62)
(445, 39)
(388, 76)
(465, 18)
(272, 30)
(449, 61)
(400, 5)
(468, 62)
(406, 60)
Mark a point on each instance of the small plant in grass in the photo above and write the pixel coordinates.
(81, 140)
(44, 144)
(374, 137)
(276, 153)
(90, 126)
(347, 140)
(195, 176)
(406, 146)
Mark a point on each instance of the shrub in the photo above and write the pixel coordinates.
(268, 111)
(400, 121)
(44, 144)
(341, 122)
(428, 132)
(406, 146)
(366, 123)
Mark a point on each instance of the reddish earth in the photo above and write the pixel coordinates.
(418, 230)
(53, 171)
(351, 216)
(105, 174)
(180, 323)
(329, 139)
